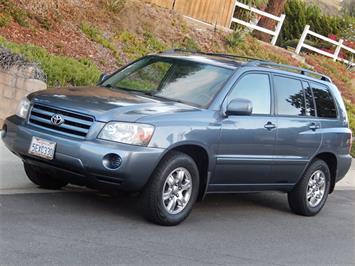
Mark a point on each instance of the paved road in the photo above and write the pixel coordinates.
(89, 228)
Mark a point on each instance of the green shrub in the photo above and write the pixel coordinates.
(18, 14)
(60, 70)
(43, 22)
(299, 13)
(4, 20)
(189, 44)
(114, 5)
(96, 35)
(135, 47)
(235, 38)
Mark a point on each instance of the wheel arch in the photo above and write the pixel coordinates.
(203, 159)
(331, 160)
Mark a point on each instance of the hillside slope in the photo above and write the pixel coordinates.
(330, 7)
(106, 34)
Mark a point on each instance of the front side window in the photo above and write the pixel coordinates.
(172, 79)
(290, 98)
(256, 88)
(324, 101)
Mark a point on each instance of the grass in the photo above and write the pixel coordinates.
(135, 47)
(5, 19)
(9, 9)
(114, 5)
(60, 70)
(96, 35)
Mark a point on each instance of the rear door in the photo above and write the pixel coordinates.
(298, 133)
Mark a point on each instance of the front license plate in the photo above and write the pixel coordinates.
(42, 148)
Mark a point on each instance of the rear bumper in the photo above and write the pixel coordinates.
(80, 161)
(344, 164)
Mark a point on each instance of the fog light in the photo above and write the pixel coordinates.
(3, 131)
(112, 161)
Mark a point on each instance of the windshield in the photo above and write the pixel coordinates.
(172, 79)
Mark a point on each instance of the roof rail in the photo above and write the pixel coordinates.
(299, 70)
(231, 56)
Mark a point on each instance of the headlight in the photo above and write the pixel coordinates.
(129, 133)
(23, 107)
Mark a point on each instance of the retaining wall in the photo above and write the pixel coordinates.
(15, 84)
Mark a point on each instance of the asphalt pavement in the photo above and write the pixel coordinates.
(83, 227)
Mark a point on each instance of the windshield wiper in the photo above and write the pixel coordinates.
(106, 86)
(151, 93)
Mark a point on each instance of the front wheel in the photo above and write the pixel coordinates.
(310, 194)
(172, 190)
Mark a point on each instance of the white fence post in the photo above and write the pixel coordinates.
(303, 38)
(280, 20)
(278, 29)
(337, 50)
(339, 45)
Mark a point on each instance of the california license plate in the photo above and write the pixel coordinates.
(42, 148)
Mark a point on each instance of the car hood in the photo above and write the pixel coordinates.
(107, 104)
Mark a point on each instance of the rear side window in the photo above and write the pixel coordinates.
(324, 101)
(256, 88)
(290, 98)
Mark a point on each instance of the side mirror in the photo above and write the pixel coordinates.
(102, 77)
(239, 107)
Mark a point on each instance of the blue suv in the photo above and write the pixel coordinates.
(178, 125)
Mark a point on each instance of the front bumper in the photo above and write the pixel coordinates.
(81, 161)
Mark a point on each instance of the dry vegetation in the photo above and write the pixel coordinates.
(112, 32)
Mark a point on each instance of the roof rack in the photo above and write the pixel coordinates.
(299, 70)
(259, 62)
(230, 56)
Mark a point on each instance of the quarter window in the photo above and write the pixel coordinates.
(290, 98)
(256, 88)
(324, 101)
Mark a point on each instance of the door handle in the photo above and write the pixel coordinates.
(314, 126)
(269, 126)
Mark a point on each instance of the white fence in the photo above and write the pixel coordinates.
(275, 33)
(339, 45)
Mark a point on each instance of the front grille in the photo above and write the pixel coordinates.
(74, 124)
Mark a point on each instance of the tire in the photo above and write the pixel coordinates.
(309, 205)
(42, 178)
(164, 182)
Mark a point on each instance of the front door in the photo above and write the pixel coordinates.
(246, 142)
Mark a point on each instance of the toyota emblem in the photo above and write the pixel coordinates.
(57, 119)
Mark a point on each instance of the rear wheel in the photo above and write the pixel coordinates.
(310, 194)
(172, 190)
(42, 178)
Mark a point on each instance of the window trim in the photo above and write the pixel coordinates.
(313, 100)
(271, 111)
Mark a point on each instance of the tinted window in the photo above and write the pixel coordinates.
(324, 101)
(147, 78)
(172, 79)
(193, 83)
(310, 109)
(256, 88)
(289, 96)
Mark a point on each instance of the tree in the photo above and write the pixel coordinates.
(275, 7)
